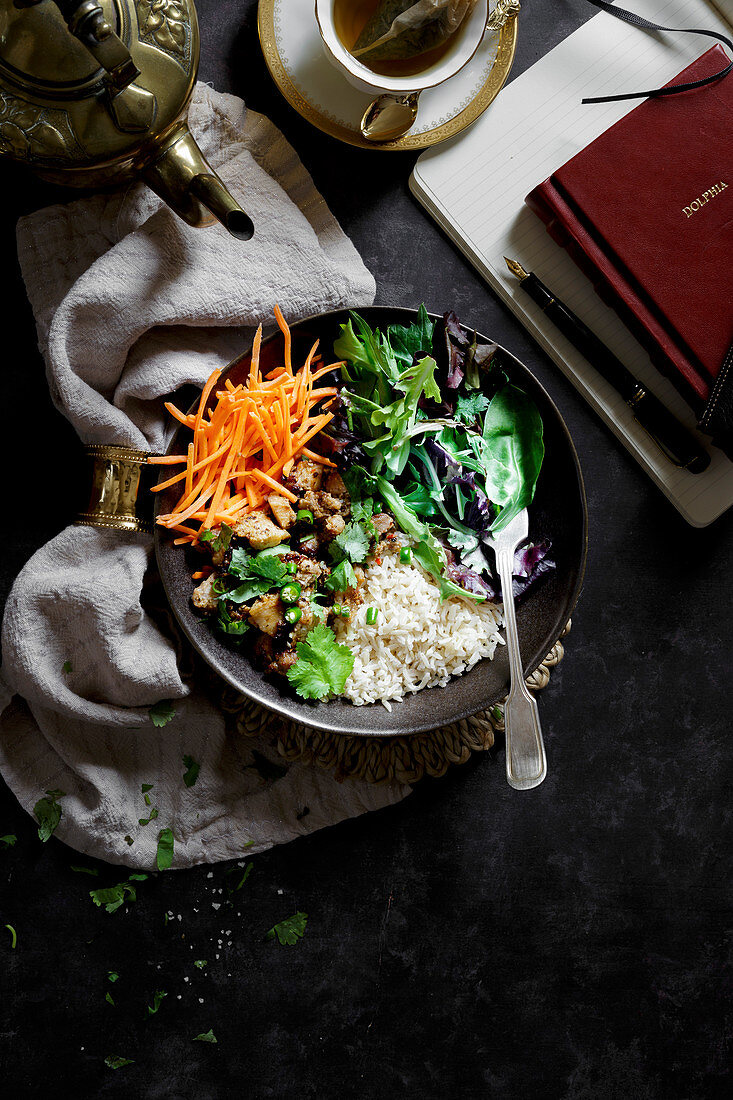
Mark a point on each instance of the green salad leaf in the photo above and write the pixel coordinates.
(470, 407)
(290, 930)
(513, 452)
(323, 665)
(408, 341)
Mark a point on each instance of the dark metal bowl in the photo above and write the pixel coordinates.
(558, 512)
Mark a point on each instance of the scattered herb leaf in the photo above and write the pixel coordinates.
(85, 870)
(112, 897)
(109, 998)
(112, 976)
(13, 935)
(200, 963)
(290, 930)
(164, 857)
(231, 890)
(219, 542)
(157, 1001)
(8, 841)
(205, 1037)
(162, 712)
(192, 771)
(48, 812)
(113, 1061)
(129, 840)
(341, 578)
(147, 787)
(66, 667)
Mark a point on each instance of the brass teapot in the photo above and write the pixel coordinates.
(94, 93)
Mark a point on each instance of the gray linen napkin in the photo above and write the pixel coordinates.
(131, 304)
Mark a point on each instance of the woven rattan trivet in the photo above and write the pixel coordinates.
(376, 759)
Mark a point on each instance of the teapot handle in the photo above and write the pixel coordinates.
(88, 23)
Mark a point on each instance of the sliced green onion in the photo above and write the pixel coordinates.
(304, 515)
(290, 593)
(406, 555)
(293, 615)
(337, 609)
(291, 567)
(371, 615)
(345, 611)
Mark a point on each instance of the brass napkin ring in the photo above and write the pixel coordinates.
(116, 477)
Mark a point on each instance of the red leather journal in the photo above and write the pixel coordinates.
(646, 210)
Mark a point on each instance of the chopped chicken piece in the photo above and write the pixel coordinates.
(266, 613)
(383, 523)
(281, 510)
(332, 526)
(203, 598)
(323, 504)
(260, 531)
(305, 475)
(335, 485)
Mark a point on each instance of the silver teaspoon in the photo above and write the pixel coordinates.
(388, 117)
(526, 765)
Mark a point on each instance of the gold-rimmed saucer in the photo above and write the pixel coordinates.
(294, 54)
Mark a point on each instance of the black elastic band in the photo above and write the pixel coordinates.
(639, 21)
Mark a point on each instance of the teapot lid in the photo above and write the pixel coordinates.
(37, 49)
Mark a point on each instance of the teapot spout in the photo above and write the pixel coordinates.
(183, 179)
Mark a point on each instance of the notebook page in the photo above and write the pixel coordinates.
(475, 186)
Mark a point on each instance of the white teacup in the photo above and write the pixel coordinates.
(466, 41)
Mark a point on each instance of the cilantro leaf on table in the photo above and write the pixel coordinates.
(323, 665)
(341, 578)
(164, 855)
(66, 667)
(470, 407)
(48, 813)
(85, 870)
(114, 1061)
(112, 897)
(200, 963)
(8, 841)
(112, 976)
(191, 773)
(205, 1037)
(352, 543)
(145, 787)
(109, 998)
(162, 712)
(231, 890)
(157, 1001)
(290, 930)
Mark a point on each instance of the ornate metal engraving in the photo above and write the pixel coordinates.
(164, 23)
(30, 132)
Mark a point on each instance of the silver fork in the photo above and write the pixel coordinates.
(526, 765)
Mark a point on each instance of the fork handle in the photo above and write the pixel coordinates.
(526, 765)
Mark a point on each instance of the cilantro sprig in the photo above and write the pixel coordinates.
(323, 665)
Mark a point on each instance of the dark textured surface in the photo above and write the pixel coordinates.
(558, 513)
(572, 942)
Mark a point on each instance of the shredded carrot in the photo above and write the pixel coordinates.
(246, 438)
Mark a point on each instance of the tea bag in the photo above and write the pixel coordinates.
(400, 29)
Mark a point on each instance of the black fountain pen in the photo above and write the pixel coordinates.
(677, 443)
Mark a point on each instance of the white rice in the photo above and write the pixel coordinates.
(417, 641)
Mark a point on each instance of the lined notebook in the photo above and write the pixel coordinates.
(475, 185)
